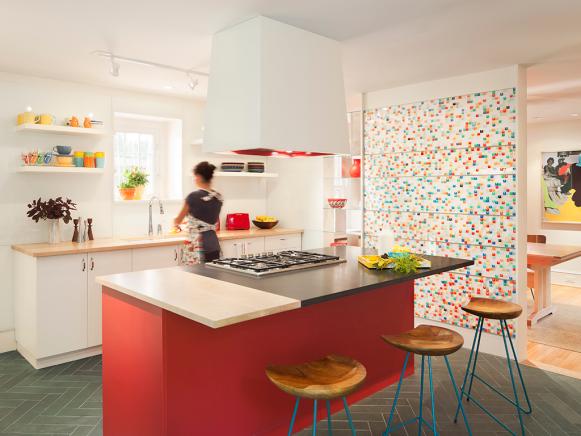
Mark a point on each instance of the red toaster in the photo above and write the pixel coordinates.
(237, 221)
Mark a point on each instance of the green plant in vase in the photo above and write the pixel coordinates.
(137, 178)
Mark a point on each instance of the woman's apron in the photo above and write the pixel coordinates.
(202, 238)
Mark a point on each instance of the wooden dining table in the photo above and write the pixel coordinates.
(540, 258)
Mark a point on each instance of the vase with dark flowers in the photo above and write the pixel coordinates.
(52, 210)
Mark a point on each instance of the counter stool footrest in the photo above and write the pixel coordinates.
(503, 395)
(410, 421)
(485, 410)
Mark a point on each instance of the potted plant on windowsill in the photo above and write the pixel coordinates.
(138, 179)
(127, 191)
(52, 210)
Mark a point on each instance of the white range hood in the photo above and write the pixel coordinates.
(275, 89)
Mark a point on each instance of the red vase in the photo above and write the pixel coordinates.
(355, 170)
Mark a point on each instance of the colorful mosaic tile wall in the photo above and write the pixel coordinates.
(442, 174)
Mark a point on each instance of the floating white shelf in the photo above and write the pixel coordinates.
(245, 174)
(59, 170)
(59, 130)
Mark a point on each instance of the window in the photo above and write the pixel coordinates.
(153, 145)
(135, 149)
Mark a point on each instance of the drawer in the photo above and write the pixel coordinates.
(283, 242)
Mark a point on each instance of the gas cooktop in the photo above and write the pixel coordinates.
(271, 263)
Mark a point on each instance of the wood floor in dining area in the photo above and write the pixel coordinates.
(555, 341)
(66, 400)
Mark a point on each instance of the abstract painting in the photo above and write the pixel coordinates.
(561, 186)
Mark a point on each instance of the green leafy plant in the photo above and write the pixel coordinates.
(136, 177)
(126, 185)
(406, 264)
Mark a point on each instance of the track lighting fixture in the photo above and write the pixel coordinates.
(192, 81)
(115, 66)
(114, 70)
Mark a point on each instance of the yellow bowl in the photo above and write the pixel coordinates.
(64, 160)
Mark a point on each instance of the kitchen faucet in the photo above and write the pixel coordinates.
(159, 229)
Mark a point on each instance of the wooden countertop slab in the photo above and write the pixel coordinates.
(113, 244)
(211, 302)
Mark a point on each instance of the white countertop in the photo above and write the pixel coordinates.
(211, 302)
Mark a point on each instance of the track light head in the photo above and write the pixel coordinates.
(114, 70)
(192, 82)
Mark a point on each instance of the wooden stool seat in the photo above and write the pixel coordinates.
(427, 340)
(327, 378)
(492, 309)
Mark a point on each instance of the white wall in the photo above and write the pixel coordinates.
(553, 136)
(93, 194)
(460, 85)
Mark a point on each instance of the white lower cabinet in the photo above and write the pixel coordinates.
(156, 257)
(231, 248)
(253, 245)
(61, 305)
(283, 242)
(250, 246)
(101, 264)
(58, 302)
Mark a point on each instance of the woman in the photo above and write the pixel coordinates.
(202, 208)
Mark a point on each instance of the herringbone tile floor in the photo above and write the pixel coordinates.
(60, 400)
(66, 400)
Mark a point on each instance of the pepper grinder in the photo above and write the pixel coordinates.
(79, 232)
(76, 231)
(85, 231)
(90, 230)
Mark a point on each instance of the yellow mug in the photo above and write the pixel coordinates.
(25, 118)
(99, 154)
(45, 119)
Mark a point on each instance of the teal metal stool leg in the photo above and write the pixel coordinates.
(472, 374)
(475, 359)
(329, 426)
(349, 418)
(480, 321)
(292, 424)
(434, 429)
(529, 409)
(405, 364)
(314, 417)
(420, 421)
(504, 325)
(458, 395)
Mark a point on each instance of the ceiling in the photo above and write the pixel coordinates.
(385, 42)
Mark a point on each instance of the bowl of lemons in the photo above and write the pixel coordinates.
(265, 222)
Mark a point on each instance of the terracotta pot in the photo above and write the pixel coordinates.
(355, 170)
(139, 192)
(127, 193)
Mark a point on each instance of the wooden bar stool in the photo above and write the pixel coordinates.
(324, 379)
(427, 341)
(502, 311)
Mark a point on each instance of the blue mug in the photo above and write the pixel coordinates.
(62, 149)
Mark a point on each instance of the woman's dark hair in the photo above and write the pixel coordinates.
(205, 169)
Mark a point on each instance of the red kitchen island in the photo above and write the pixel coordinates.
(184, 349)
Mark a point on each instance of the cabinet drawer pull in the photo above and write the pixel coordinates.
(175, 254)
(84, 265)
(92, 264)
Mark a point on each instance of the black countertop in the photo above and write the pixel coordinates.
(315, 285)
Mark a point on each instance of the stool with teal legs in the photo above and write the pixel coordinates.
(324, 379)
(485, 308)
(427, 341)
